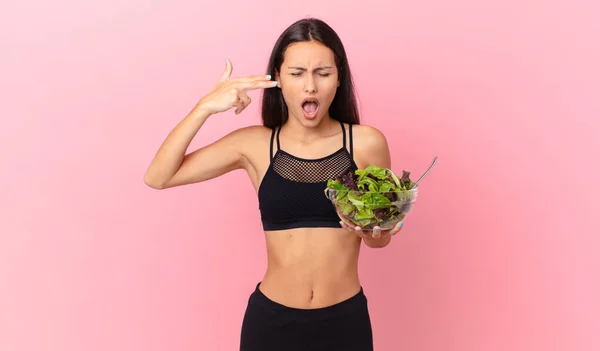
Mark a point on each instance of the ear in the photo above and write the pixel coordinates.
(277, 79)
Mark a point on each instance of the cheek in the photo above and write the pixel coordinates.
(287, 93)
(329, 89)
(289, 89)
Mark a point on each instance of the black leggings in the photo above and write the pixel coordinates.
(271, 326)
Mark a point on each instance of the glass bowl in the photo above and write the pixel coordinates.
(368, 209)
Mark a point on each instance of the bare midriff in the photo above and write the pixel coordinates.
(311, 267)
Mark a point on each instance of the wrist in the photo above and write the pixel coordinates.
(201, 112)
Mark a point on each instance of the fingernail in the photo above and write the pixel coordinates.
(269, 76)
(376, 229)
(275, 83)
(399, 225)
(357, 230)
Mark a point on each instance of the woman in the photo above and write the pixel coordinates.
(310, 297)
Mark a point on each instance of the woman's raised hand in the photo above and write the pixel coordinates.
(231, 92)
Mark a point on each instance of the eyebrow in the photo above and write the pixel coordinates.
(316, 69)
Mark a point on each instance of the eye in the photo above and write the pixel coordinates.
(324, 74)
(295, 74)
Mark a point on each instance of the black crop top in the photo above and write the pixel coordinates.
(291, 194)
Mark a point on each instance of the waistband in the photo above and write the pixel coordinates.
(356, 302)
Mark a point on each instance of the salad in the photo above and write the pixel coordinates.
(372, 196)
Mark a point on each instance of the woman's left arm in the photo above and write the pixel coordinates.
(371, 149)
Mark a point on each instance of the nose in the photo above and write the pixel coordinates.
(309, 84)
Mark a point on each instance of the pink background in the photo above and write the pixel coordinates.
(501, 252)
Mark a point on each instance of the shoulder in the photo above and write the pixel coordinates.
(366, 136)
(370, 146)
(242, 141)
(249, 136)
(251, 142)
(252, 131)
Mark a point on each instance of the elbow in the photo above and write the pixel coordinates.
(153, 183)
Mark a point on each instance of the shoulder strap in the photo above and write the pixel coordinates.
(343, 133)
(278, 130)
(271, 144)
(351, 146)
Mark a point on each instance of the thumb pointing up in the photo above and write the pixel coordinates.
(227, 73)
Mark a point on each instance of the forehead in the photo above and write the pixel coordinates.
(308, 54)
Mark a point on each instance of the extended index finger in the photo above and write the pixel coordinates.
(259, 84)
(253, 78)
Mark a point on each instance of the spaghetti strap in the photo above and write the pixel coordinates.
(350, 132)
(271, 145)
(278, 130)
(343, 132)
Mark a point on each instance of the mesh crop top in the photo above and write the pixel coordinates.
(291, 194)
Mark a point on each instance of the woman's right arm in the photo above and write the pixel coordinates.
(171, 166)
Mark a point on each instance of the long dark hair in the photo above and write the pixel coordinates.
(343, 107)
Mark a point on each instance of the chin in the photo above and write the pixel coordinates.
(306, 122)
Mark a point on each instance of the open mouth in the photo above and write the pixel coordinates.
(310, 106)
